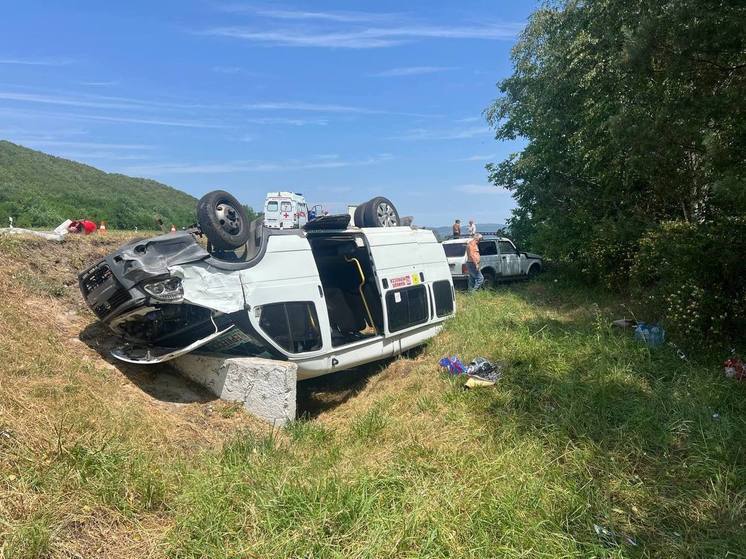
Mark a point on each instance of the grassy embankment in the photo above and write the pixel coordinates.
(585, 427)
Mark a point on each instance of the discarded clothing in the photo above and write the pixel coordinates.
(481, 369)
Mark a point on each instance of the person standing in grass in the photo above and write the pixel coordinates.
(476, 279)
(457, 229)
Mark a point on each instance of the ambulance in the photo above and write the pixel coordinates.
(285, 210)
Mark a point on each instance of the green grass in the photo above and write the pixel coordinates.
(585, 427)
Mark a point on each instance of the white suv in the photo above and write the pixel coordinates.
(499, 260)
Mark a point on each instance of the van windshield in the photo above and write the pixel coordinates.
(455, 249)
(271, 206)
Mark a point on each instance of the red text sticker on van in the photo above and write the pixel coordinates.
(402, 281)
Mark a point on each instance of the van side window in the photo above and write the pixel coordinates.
(292, 326)
(406, 307)
(271, 206)
(487, 248)
(443, 297)
(506, 247)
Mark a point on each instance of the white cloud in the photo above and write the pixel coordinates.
(83, 145)
(99, 155)
(311, 107)
(418, 134)
(410, 71)
(346, 17)
(478, 157)
(61, 100)
(226, 69)
(480, 189)
(37, 61)
(317, 162)
(109, 118)
(363, 38)
(289, 121)
(100, 84)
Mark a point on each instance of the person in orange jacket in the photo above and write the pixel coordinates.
(476, 279)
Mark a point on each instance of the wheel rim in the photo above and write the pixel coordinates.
(385, 215)
(229, 218)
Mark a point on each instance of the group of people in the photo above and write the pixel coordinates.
(476, 279)
(457, 228)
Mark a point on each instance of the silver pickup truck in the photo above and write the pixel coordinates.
(500, 260)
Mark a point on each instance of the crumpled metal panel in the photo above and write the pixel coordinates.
(153, 257)
(208, 287)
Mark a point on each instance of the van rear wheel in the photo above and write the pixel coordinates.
(379, 212)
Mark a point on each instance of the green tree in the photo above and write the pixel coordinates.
(633, 113)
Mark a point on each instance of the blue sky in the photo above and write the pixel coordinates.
(339, 100)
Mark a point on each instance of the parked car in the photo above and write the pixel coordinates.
(500, 260)
(328, 297)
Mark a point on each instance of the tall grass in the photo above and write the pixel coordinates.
(585, 427)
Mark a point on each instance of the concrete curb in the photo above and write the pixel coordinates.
(265, 387)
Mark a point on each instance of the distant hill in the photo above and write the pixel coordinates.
(40, 190)
(445, 231)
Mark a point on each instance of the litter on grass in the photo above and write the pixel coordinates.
(610, 538)
(651, 334)
(481, 371)
(56, 235)
(735, 368)
(453, 364)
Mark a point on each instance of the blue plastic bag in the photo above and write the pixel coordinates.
(453, 364)
(652, 334)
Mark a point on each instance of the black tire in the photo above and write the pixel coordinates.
(490, 279)
(533, 271)
(337, 221)
(359, 218)
(380, 212)
(223, 220)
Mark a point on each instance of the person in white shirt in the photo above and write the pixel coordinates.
(472, 228)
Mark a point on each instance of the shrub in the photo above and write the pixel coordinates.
(692, 277)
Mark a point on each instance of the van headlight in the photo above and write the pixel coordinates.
(169, 290)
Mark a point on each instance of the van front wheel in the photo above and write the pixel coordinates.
(223, 220)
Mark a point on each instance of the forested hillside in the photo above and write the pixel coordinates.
(39, 190)
(634, 171)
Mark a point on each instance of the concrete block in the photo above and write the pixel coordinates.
(266, 388)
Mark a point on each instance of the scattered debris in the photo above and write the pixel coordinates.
(481, 369)
(610, 538)
(453, 364)
(680, 354)
(82, 226)
(735, 368)
(481, 372)
(624, 323)
(653, 335)
(55, 235)
(716, 417)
